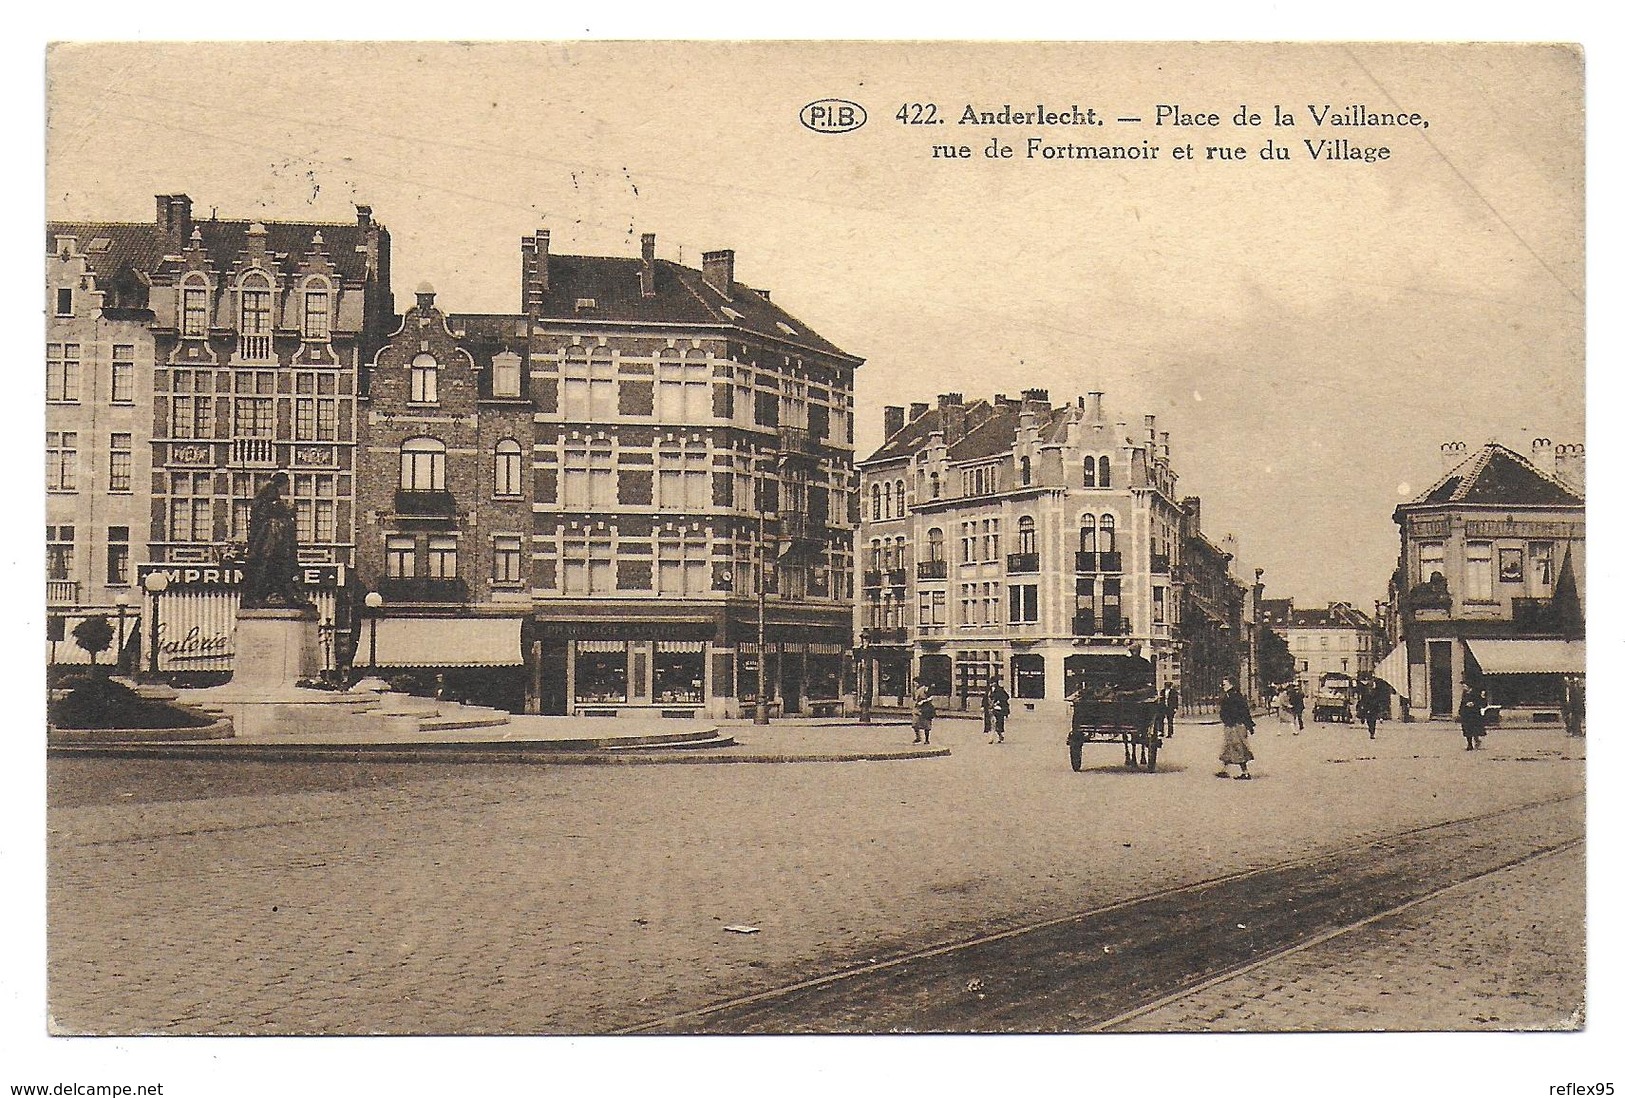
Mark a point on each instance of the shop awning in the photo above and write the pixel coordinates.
(444, 642)
(1394, 669)
(1529, 657)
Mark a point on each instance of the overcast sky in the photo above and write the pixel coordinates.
(1309, 332)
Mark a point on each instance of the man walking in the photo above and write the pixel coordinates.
(995, 707)
(1167, 706)
(1366, 704)
(1294, 703)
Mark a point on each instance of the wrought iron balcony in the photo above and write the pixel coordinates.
(1159, 564)
(931, 569)
(795, 440)
(1111, 562)
(892, 635)
(421, 589)
(424, 505)
(1083, 624)
(1086, 562)
(872, 578)
(61, 592)
(1021, 563)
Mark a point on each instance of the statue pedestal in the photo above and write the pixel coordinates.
(276, 648)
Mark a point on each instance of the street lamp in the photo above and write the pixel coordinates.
(156, 584)
(122, 602)
(375, 603)
(761, 611)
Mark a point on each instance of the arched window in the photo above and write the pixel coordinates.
(1088, 472)
(874, 502)
(1105, 472)
(1026, 471)
(885, 496)
(1026, 535)
(1086, 534)
(901, 560)
(423, 465)
(1108, 534)
(255, 293)
(934, 544)
(874, 553)
(195, 306)
(901, 508)
(317, 319)
(425, 380)
(507, 479)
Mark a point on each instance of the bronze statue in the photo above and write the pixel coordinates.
(271, 572)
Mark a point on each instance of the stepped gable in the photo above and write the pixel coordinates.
(1496, 476)
(681, 296)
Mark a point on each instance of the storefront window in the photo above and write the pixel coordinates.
(1027, 675)
(600, 672)
(679, 672)
(823, 676)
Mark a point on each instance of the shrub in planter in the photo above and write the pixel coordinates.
(97, 702)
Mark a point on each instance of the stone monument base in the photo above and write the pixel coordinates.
(275, 648)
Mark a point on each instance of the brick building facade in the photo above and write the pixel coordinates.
(1005, 537)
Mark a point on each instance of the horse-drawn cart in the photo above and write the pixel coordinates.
(1114, 700)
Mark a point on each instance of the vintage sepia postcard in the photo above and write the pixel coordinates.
(852, 538)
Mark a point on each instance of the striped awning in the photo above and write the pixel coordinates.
(1529, 657)
(446, 642)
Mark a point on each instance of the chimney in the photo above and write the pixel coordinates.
(1543, 455)
(425, 295)
(534, 255)
(951, 406)
(1192, 506)
(1451, 454)
(1035, 396)
(1151, 431)
(646, 273)
(175, 217)
(363, 218)
(1166, 453)
(894, 419)
(67, 246)
(1570, 465)
(1093, 406)
(718, 269)
(917, 409)
(257, 237)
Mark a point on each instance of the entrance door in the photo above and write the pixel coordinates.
(555, 684)
(937, 673)
(790, 686)
(1441, 677)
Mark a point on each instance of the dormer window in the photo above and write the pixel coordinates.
(254, 327)
(586, 304)
(318, 317)
(195, 310)
(505, 375)
(425, 380)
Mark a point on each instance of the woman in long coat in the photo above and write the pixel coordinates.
(924, 710)
(1237, 718)
(1471, 715)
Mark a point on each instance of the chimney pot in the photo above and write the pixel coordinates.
(894, 419)
(646, 276)
(363, 217)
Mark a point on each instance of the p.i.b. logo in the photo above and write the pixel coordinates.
(833, 115)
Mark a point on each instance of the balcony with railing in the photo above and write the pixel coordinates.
(254, 348)
(897, 577)
(931, 569)
(795, 440)
(1085, 623)
(886, 635)
(795, 525)
(61, 592)
(1111, 562)
(437, 506)
(1021, 563)
(253, 451)
(1159, 564)
(871, 578)
(1086, 562)
(422, 589)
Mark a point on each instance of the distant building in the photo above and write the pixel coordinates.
(1490, 582)
(1338, 638)
(1215, 615)
(1005, 537)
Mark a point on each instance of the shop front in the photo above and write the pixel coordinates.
(196, 615)
(609, 667)
(478, 660)
(1526, 681)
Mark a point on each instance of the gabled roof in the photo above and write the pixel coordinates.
(1496, 476)
(1335, 617)
(141, 246)
(682, 296)
(1274, 611)
(989, 430)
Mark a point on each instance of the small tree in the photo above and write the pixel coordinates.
(1276, 664)
(94, 635)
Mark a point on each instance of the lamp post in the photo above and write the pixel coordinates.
(122, 602)
(375, 603)
(761, 611)
(156, 584)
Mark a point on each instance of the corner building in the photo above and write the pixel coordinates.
(693, 462)
(1009, 537)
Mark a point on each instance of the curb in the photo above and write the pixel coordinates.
(393, 753)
